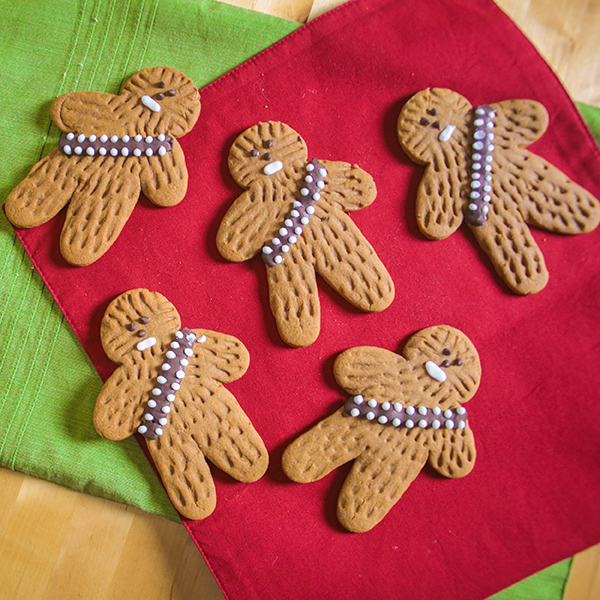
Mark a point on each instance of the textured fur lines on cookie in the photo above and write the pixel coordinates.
(478, 168)
(438, 372)
(113, 148)
(199, 419)
(293, 212)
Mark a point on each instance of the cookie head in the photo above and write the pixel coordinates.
(446, 363)
(431, 121)
(268, 150)
(166, 100)
(138, 321)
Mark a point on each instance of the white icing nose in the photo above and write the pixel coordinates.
(151, 103)
(273, 167)
(146, 343)
(435, 371)
(446, 133)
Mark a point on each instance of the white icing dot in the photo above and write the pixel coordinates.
(125, 138)
(92, 138)
(372, 403)
(308, 179)
(161, 137)
(305, 191)
(320, 184)
(67, 149)
(485, 209)
(175, 345)
(436, 424)
(171, 354)
(283, 231)
(476, 156)
(304, 220)
(475, 194)
(478, 145)
(490, 148)
(472, 206)
(114, 151)
(479, 135)
(475, 184)
(447, 414)
(355, 412)
(316, 196)
(323, 172)
(476, 175)
(461, 410)
(163, 420)
(423, 423)
(292, 239)
(397, 406)
(410, 424)
(156, 391)
(166, 367)
(310, 167)
(490, 124)
(490, 136)
(288, 223)
(358, 399)
(488, 177)
(276, 242)
(162, 151)
(137, 152)
(70, 136)
(166, 409)
(175, 386)
(102, 151)
(310, 210)
(149, 152)
(370, 415)
(489, 158)
(487, 198)
(461, 424)
(298, 230)
(386, 406)
(410, 410)
(285, 248)
(158, 431)
(478, 122)
(138, 138)
(180, 374)
(201, 339)
(161, 379)
(294, 214)
(78, 150)
(487, 188)
(488, 167)
(189, 351)
(90, 151)
(149, 417)
(297, 204)
(450, 424)
(170, 397)
(477, 166)
(278, 259)
(152, 403)
(492, 113)
(81, 138)
(178, 335)
(480, 111)
(114, 139)
(396, 422)
(383, 419)
(422, 410)
(437, 410)
(149, 139)
(125, 151)
(142, 429)
(267, 250)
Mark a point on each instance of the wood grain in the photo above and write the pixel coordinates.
(58, 544)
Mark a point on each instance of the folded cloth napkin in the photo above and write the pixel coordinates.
(531, 499)
(47, 384)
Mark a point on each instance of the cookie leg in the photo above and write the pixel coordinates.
(507, 240)
(378, 478)
(294, 297)
(184, 473)
(331, 443)
(98, 212)
(164, 179)
(349, 264)
(452, 452)
(42, 194)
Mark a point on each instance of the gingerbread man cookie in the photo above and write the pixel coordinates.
(479, 171)
(112, 149)
(403, 411)
(293, 213)
(169, 388)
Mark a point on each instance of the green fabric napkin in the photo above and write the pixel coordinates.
(48, 386)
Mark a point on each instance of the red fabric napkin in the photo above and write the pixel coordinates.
(532, 498)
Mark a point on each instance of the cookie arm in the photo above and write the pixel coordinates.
(164, 179)
(452, 452)
(98, 212)
(371, 371)
(347, 186)
(348, 262)
(223, 431)
(519, 122)
(378, 478)
(91, 111)
(439, 201)
(218, 356)
(331, 443)
(43, 193)
(252, 220)
(120, 404)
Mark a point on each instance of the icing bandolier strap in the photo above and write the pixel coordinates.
(72, 144)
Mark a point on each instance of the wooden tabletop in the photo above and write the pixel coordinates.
(58, 544)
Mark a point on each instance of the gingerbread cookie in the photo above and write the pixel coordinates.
(293, 213)
(112, 149)
(479, 171)
(403, 411)
(169, 388)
